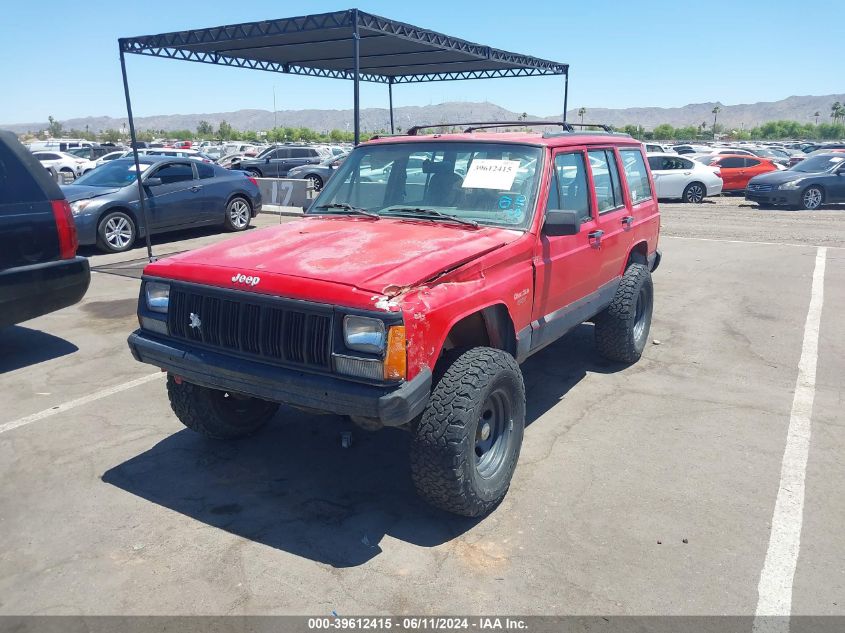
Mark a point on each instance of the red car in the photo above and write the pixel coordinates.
(737, 170)
(427, 269)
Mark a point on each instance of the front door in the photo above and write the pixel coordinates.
(176, 200)
(733, 173)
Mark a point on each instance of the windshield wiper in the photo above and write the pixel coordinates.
(348, 207)
(432, 213)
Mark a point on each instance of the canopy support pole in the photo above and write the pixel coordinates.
(565, 94)
(135, 155)
(356, 53)
(390, 97)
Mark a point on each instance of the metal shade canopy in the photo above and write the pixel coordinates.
(347, 44)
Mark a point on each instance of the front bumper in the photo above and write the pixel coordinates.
(392, 406)
(27, 292)
(775, 196)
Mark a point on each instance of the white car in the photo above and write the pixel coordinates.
(170, 152)
(71, 166)
(102, 160)
(658, 148)
(678, 177)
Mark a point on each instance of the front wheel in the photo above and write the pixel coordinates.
(812, 198)
(238, 214)
(694, 193)
(467, 442)
(622, 328)
(116, 232)
(220, 415)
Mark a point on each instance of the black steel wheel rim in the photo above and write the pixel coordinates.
(494, 432)
(640, 313)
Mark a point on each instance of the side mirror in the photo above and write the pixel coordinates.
(561, 222)
(267, 160)
(152, 182)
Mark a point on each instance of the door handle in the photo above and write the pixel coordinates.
(627, 221)
(596, 235)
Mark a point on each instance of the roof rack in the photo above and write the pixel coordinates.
(472, 126)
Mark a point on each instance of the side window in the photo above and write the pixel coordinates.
(685, 164)
(637, 175)
(751, 162)
(205, 170)
(175, 172)
(569, 187)
(732, 163)
(606, 180)
(300, 152)
(655, 162)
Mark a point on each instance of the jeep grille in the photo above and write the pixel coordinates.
(273, 333)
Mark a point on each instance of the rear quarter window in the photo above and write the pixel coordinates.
(205, 170)
(636, 174)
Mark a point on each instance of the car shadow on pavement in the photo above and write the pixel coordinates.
(162, 239)
(293, 487)
(23, 347)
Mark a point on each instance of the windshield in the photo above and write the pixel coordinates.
(817, 164)
(487, 183)
(116, 173)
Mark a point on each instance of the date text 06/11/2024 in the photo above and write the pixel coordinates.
(427, 623)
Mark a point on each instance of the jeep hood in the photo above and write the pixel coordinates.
(367, 254)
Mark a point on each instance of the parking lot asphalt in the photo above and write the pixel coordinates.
(647, 489)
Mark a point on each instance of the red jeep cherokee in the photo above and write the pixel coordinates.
(427, 269)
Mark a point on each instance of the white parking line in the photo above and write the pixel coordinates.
(713, 239)
(775, 587)
(72, 404)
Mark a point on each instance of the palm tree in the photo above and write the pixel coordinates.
(837, 111)
(816, 115)
(581, 112)
(716, 110)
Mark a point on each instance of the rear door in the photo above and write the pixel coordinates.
(611, 238)
(733, 172)
(670, 175)
(176, 201)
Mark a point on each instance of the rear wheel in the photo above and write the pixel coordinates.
(116, 232)
(238, 214)
(622, 328)
(220, 415)
(254, 173)
(467, 441)
(316, 182)
(694, 193)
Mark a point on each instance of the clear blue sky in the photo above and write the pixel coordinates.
(60, 59)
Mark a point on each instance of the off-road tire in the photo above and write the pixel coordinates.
(621, 329)
(218, 414)
(445, 465)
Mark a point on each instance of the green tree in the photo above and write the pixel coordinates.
(110, 136)
(54, 128)
(716, 110)
(816, 116)
(205, 130)
(581, 112)
(837, 111)
(225, 131)
(664, 132)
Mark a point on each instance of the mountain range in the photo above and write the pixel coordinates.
(797, 108)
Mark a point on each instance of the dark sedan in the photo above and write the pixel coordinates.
(809, 184)
(318, 174)
(178, 193)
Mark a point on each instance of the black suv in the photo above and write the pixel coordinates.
(277, 162)
(39, 269)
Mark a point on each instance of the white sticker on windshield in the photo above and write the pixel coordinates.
(143, 167)
(490, 173)
(836, 159)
